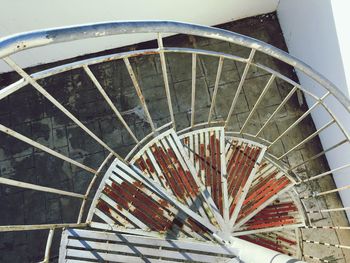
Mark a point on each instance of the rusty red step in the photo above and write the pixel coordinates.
(205, 148)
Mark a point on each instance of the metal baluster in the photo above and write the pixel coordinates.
(240, 86)
(165, 77)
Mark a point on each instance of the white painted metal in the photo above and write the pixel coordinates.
(240, 86)
(139, 92)
(43, 148)
(216, 87)
(165, 78)
(39, 188)
(109, 101)
(38, 227)
(246, 187)
(154, 186)
(193, 96)
(187, 250)
(263, 93)
(249, 252)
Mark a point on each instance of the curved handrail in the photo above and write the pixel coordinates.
(24, 41)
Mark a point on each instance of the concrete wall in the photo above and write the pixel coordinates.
(316, 33)
(20, 16)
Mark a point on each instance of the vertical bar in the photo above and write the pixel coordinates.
(240, 86)
(35, 144)
(48, 245)
(324, 174)
(39, 88)
(194, 75)
(109, 101)
(307, 139)
(277, 110)
(217, 80)
(226, 206)
(82, 207)
(316, 194)
(165, 77)
(39, 188)
(299, 119)
(139, 92)
(268, 85)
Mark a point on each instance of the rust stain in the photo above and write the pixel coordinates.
(164, 203)
(150, 165)
(144, 53)
(164, 168)
(141, 164)
(172, 176)
(146, 209)
(186, 141)
(103, 206)
(264, 243)
(291, 242)
(121, 203)
(202, 156)
(196, 227)
(138, 184)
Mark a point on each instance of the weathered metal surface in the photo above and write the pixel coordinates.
(282, 241)
(186, 191)
(116, 247)
(125, 201)
(165, 160)
(278, 215)
(269, 184)
(205, 148)
(16, 43)
(243, 159)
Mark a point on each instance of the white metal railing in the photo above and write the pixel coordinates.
(18, 43)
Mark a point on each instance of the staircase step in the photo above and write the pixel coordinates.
(80, 245)
(123, 200)
(285, 242)
(269, 183)
(280, 215)
(206, 150)
(243, 158)
(164, 160)
(199, 185)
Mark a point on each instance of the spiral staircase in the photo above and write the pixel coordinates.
(220, 189)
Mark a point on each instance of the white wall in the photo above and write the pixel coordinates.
(318, 34)
(20, 16)
(342, 21)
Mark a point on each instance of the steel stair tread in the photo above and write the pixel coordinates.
(164, 159)
(193, 172)
(285, 242)
(97, 246)
(205, 148)
(125, 201)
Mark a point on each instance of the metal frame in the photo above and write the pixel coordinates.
(24, 41)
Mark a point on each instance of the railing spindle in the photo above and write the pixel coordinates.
(240, 85)
(307, 139)
(277, 110)
(109, 101)
(24, 185)
(302, 117)
(39, 88)
(35, 144)
(139, 93)
(165, 78)
(193, 95)
(216, 87)
(265, 90)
